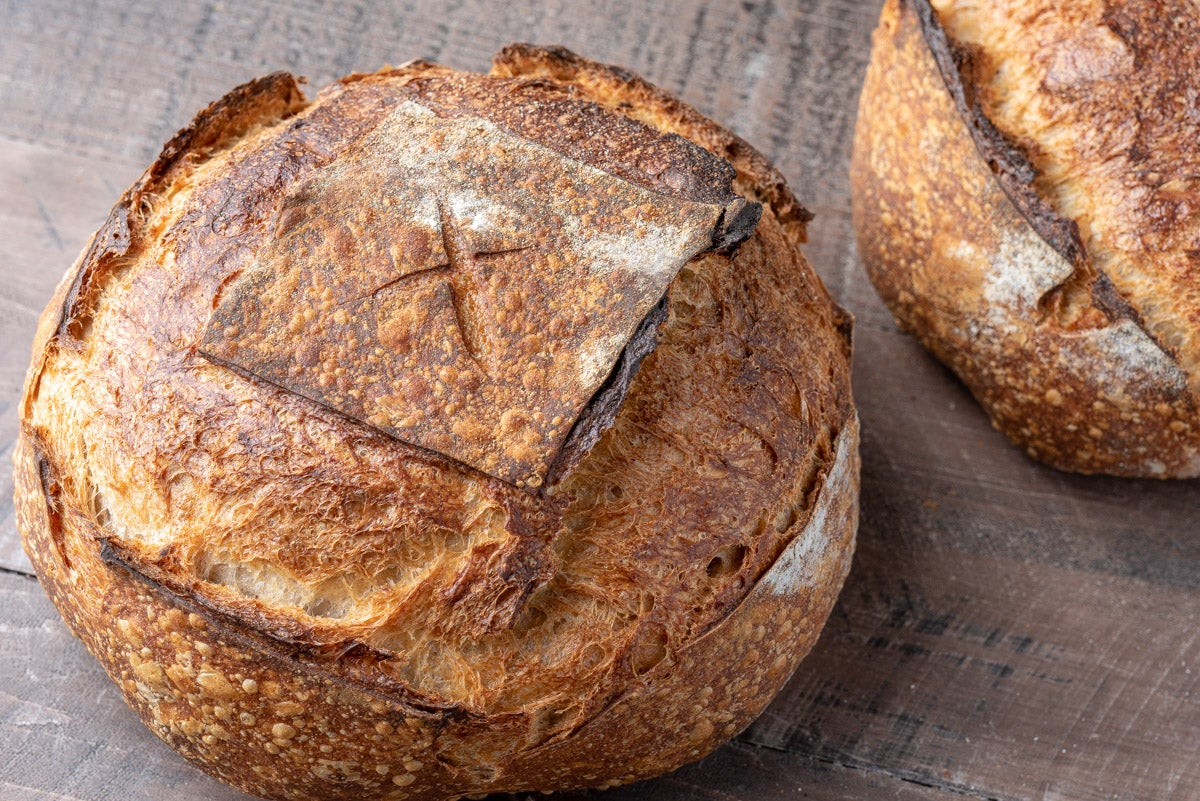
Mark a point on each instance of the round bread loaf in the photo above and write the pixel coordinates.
(448, 434)
(1027, 203)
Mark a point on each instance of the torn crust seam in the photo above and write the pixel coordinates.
(1015, 174)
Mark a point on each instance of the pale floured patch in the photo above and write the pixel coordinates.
(415, 110)
(802, 560)
(656, 251)
(1020, 271)
(1124, 355)
(596, 361)
(480, 213)
(426, 214)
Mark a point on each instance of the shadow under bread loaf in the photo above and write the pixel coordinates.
(447, 434)
(1025, 200)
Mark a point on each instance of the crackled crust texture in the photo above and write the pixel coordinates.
(982, 258)
(308, 606)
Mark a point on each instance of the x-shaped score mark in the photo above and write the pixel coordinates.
(464, 285)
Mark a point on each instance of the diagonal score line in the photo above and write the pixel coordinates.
(436, 268)
(458, 251)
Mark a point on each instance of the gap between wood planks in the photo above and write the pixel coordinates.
(8, 571)
(876, 770)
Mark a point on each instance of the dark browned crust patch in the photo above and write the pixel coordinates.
(110, 243)
(271, 96)
(568, 68)
(274, 96)
(554, 117)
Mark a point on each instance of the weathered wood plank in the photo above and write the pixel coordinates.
(1001, 680)
(136, 71)
(744, 771)
(937, 477)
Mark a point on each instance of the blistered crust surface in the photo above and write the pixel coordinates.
(991, 283)
(463, 288)
(309, 607)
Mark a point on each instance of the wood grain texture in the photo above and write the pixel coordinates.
(964, 679)
(1007, 632)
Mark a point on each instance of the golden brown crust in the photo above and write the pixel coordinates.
(511, 284)
(970, 258)
(1098, 97)
(309, 608)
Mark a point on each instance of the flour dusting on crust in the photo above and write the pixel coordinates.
(800, 562)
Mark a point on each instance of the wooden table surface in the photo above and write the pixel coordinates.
(1007, 631)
